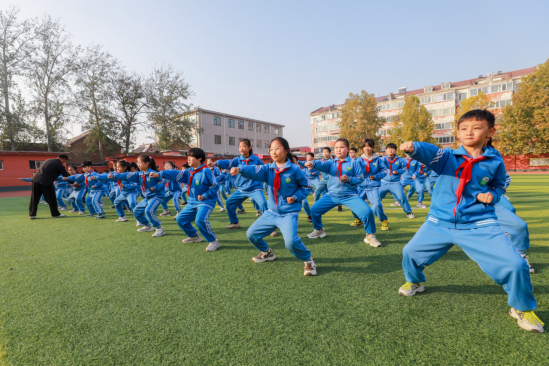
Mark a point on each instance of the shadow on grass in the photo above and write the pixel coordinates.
(478, 289)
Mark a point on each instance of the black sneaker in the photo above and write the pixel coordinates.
(112, 207)
(309, 218)
(240, 211)
(339, 208)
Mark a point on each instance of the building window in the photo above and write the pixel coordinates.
(442, 112)
(326, 138)
(258, 143)
(266, 144)
(501, 103)
(446, 86)
(445, 139)
(276, 130)
(462, 96)
(217, 121)
(231, 141)
(315, 120)
(240, 125)
(218, 139)
(251, 142)
(1, 164)
(35, 164)
(444, 126)
(266, 129)
(382, 132)
(257, 127)
(231, 123)
(250, 126)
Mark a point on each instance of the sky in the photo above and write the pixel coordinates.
(278, 61)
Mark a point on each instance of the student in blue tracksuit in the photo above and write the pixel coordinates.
(515, 227)
(287, 187)
(222, 180)
(173, 191)
(94, 188)
(421, 183)
(307, 172)
(345, 175)
(247, 188)
(394, 168)
(322, 186)
(76, 197)
(408, 177)
(153, 191)
(433, 177)
(127, 192)
(373, 170)
(218, 177)
(203, 191)
(113, 190)
(472, 181)
(312, 174)
(61, 189)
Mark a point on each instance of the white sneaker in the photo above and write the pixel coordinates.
(137, 223)
(213, 246)
(410, 215)
(73, 211)
(527, 320)
(421, 205)
(166, 213)
(146, 228)
(264, 257)
(32, 217)
(310, 268)
(122, 219)
(222, 209)
(81, 213)
(258, 213)
(530, 268)
(233, 226)
(159, 232)
(56, 217)
(195, 239)
(63, 209)
(395, 204)
(372, 240)
(317, 234)
(410, 289)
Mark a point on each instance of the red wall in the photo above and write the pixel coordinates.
(16, 165)
(522, 162)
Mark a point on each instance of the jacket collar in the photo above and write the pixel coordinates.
(374, 157)
(243, 158)
(486, 152)
(286, 166)
(193, 169)
(347, 159)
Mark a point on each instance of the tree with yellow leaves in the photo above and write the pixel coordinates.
(360, 120)
(413, 123)
(480, 101)
(524, 125)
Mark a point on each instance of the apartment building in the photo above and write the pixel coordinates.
(222, 132)
(441, 101)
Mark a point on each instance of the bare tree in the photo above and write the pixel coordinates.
(48, 76)
(94, 70)
(167, 92)
(129, 103)
(16, 45)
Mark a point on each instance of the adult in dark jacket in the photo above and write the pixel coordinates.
(42, 184)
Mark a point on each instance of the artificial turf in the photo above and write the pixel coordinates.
(79, 291)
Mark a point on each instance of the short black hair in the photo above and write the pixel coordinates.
(111, 169)
(197, 153)
(369, 142)
(86, 163)
(479, 115)
(311, 154)
(352, 149)
(327, 148)
(63, 156)
(391, 146)
(186, 166)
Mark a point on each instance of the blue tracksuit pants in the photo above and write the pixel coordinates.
(59, 194)
(433, 181)
(168, 196)
(375, 201)
(306, 206)
(321, 189)
(419, 186)
(287, 223)
(239, 196)
(75, 199)
(145, 212)
(514, 226)
(488, 246)
(113, 193)
(219, 200)
(130, 199)
(398, 192)
(93, 201)
(199, 213)
(354, 203)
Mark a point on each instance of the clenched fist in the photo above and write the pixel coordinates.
(154, 174)
(407, 147)
(485, 197)
(309, 164)
(290, 200)
(344, 178)
(201, 198)
(234, 171)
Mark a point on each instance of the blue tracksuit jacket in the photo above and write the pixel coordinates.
(204, 184)
(349, 167)
(124, 187)
(487, 175)
(377, 170)
(293, 183)
(399, 166)
(409, 172)
(144, 182)
(243, 184)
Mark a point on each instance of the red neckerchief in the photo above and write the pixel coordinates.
(339, 162)
(86, 177)
(391, 162)
(421, 169)
(246, 160)
(408, 161)
(467, 167)
(143, 186)
(193, 173)
(276, 184)
(367, 165)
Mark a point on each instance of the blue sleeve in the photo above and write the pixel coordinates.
(227, 164)
(358, 175)
(98, 184)
(403, 165)
(431, 155)
(257, 160)
(105, 177)
(323, 166)
(259, 173)
(127, 177)
(301, 163)
(213, 188)
(181, 176)
(497, 185)
(304, 186)
(27, 179)
(507, 181)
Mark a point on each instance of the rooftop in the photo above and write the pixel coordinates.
(234, 116)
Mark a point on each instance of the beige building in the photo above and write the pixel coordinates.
(222, 132)
(442, 101)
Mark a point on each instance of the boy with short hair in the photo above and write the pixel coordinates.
(394, 168)
(472, 180)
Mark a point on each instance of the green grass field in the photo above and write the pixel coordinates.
(78, 291)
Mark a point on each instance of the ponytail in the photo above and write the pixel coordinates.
(150, 160)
